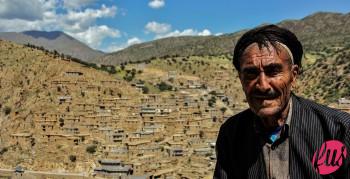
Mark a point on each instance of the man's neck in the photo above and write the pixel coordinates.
(270, 124)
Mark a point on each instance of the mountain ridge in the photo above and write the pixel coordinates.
(333, 27)
(54, 40)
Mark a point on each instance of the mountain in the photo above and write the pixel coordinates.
(54, 40)
(328, 78)
(321, 29)
(173, 46)
(315, 31)
(57, 115)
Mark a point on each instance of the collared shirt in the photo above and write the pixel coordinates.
(276, 154)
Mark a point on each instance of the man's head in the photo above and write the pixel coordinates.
(268, 60)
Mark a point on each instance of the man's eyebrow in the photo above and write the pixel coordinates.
(273, 66)
(250, 69)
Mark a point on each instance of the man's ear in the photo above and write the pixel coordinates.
(295, 71)
(240, 77)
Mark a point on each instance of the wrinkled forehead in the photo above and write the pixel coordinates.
(254, 51)
(254, 54)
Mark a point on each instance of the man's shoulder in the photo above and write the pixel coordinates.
(323, 111)
(241, 119)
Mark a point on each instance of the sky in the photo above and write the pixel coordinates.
(112, 25)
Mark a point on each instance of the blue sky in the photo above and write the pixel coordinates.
(111, 25)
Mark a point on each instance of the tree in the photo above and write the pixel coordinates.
(3, 150)
(91, 149)
(128, 77)
(55, 53)
(163, 86)
(61, 120)
(145, 90)
(212, 101)
(171, 80)
(223, 110)
(122, 67)
(213, 93)
(72, 158)
(133, 72)
(201, 134)
(7, 110)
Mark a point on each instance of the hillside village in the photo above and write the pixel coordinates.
(58, 115)
(157, 118)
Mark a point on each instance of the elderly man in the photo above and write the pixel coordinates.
(280, 135)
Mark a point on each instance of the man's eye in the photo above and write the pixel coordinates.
(251, 74)
(273, 70)
(272, 73)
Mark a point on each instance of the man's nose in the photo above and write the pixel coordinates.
(263, 83)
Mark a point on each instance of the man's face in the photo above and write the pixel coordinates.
(267, 76)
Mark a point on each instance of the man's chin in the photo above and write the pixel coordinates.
(268, 112)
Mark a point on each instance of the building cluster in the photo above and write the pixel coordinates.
(170, 134)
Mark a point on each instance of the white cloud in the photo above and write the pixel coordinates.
(133, 41)
(18, 9)
(156, 4)
(162, 30)
(80, 23)
(76, 4)
(157, 28)
(17, 25)
(80, 20)
(114, 47)
(205, 32)
(186, 32)
(92, 13)
(95, 35)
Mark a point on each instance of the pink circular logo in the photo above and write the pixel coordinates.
(329, 157)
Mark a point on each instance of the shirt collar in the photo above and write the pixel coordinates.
(258, 127)
(289, 117)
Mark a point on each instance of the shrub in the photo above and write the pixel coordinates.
(163, 86)
(7, 110)
(61, 120)
(223, 109)
(171, 80)
(3, 150)
(91, 149)
(72, 158)
(122, 67)
(212, 93)
(128, 77)
(212, 101)
(145, 90)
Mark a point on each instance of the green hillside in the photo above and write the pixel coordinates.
(315, 31)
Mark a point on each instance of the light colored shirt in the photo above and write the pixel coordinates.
(277, 159)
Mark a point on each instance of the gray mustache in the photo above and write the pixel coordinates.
(268, 94)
